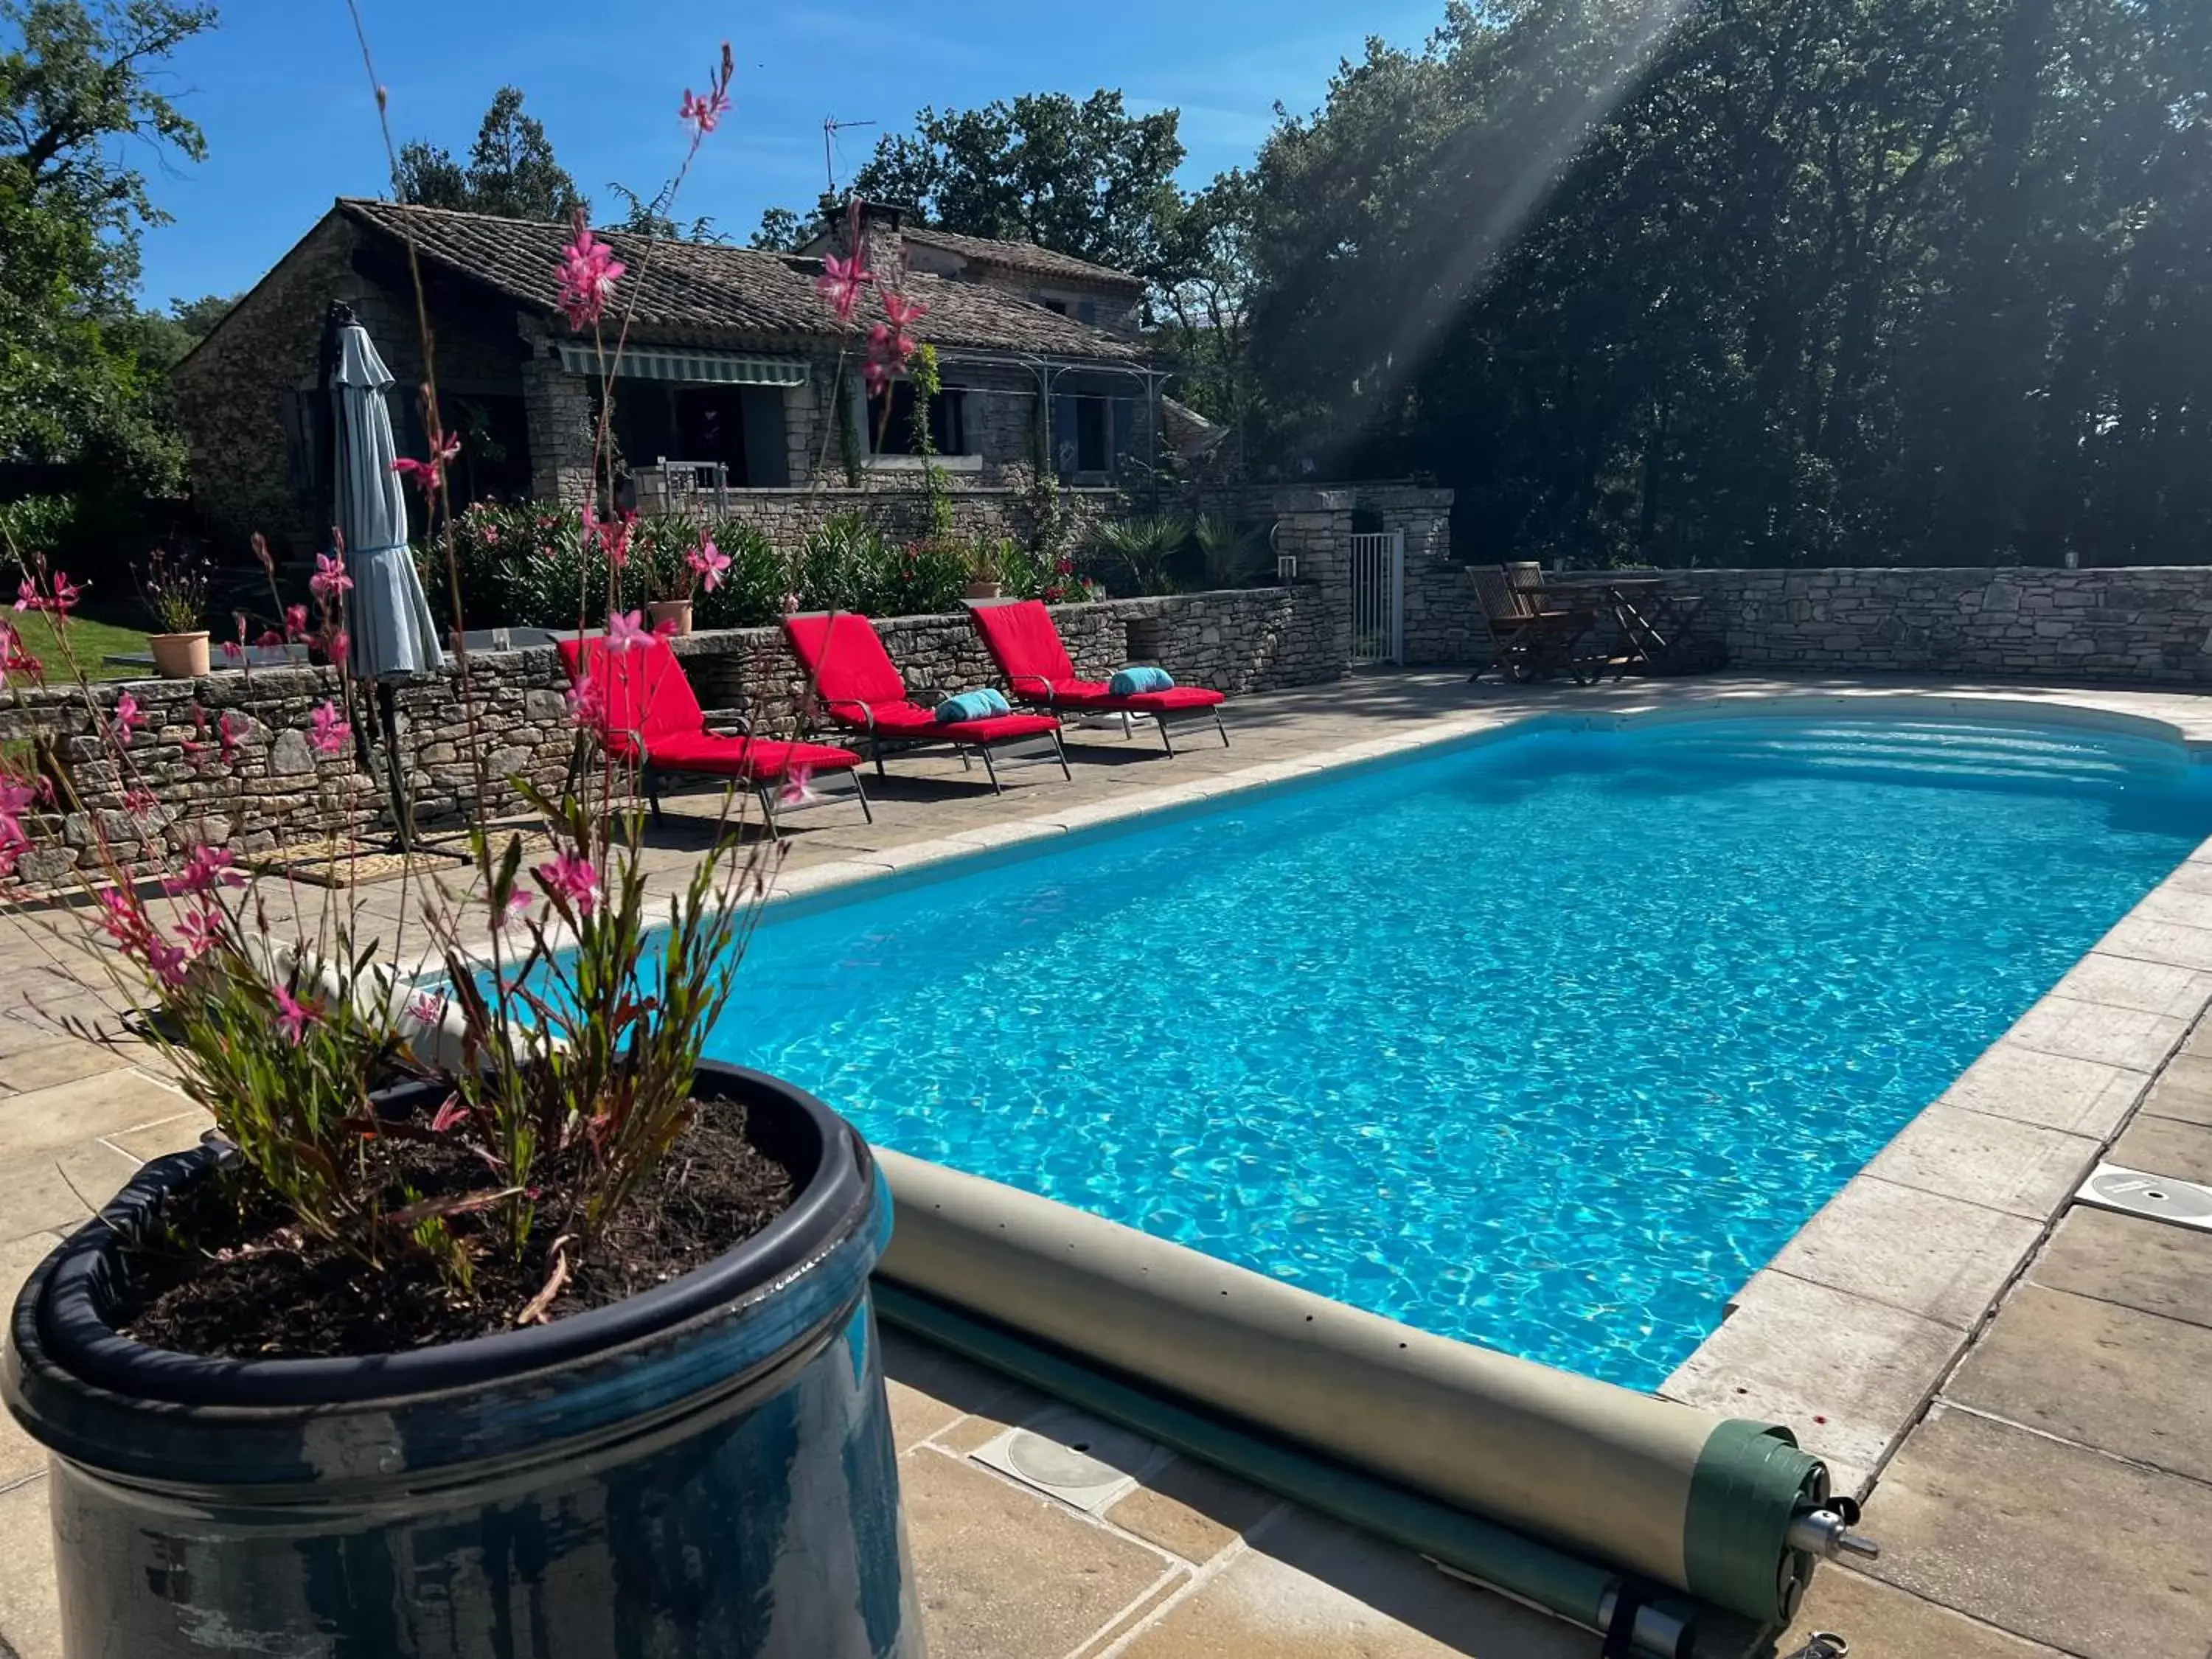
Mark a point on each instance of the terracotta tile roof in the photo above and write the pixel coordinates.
(1022, 256)
(701, 293)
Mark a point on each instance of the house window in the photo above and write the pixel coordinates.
(1086, 311)
(1093, 442)
(1060, 306)
(948, 424)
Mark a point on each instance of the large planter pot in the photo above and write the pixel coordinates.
(671, 610)
(179, 656)
(983, 590)
(706, 1469)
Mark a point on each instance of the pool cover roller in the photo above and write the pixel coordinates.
(1543, 1476)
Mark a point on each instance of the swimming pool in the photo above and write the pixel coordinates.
(1545, 1042)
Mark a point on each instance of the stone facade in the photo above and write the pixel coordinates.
(901, 511)
(2143, 625)
(268, 787)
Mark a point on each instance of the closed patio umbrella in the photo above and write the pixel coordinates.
(393, 634)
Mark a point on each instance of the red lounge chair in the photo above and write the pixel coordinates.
(1027, 648)
(653, 719)
(863, 692)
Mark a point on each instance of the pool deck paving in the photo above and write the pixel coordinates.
(2017, 1384)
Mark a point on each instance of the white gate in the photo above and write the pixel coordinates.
(1378, 598)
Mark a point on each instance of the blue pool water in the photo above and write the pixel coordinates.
(1545, 1044)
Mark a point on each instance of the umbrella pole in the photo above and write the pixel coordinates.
(387, 710)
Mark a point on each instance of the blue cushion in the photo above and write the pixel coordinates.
(972, 706)
(1131, 681)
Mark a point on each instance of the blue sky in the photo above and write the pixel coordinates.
(279, 87)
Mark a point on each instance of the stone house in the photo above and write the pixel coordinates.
(736, 380)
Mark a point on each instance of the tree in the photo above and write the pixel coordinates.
(781, 231)
(1087, 179)
(649, 217)
(1201, 303)
(1758, 281)
(78, 101)
(511, 171)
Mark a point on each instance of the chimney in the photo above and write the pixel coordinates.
(879, 223)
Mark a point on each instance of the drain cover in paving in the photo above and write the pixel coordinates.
(2156, 1197)
(1075, 1458)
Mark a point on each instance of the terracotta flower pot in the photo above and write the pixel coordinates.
(667, 611)
(983, 590)
(179, 656)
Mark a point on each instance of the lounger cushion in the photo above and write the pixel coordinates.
(757, 760)
(841, 651)
(910, 719)
(1092, 695)
(1022, 639)
(1141, 678)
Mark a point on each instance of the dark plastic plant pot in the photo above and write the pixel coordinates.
(704, 1470)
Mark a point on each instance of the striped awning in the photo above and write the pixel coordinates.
(696, 366)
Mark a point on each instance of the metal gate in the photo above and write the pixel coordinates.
(1378, 598)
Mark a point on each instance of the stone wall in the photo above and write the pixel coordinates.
(2145, 625)
(901, 510)
(266, 786)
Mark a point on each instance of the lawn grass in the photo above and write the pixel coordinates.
(89, 641)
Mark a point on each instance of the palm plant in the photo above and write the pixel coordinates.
(1144, 546)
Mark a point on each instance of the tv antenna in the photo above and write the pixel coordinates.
(831, 126)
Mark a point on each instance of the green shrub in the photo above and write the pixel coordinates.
(1139, 555)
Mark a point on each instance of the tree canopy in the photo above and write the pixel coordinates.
(1764, 281)
(76, 81)
(511, 170)
(1085, 179)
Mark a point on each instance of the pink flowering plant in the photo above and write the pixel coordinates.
(551, 998)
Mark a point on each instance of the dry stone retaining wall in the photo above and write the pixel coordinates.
(270, 788)
(2146, 625)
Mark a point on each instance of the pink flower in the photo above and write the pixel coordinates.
(200, 930)
(517, 907)
(260, 544)
(842, 282)
(790, 603)
(129, 717)
(293, 1016)
(588, 704)
(330, 579)
(167, 961)
(902, 312)
(332, 730)
(796, 789)
(270, 640)
(426, 1008)
(233, 651)
(625, 629)
(709, 563)
(888, 351)
(27, 596)
(206, 869)
(702, 113)
(339, 645)
(123, 920)
(612, 534)
(229, 737)
(451, 1115)
(427, 475)
(139, 802)
(491, 535)
(586, 276)
(295, 622)
(571, 877)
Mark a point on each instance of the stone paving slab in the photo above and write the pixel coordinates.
(1941, 1258)
(47, 1119)
(1847, 1374)
(57, 1190)
(30, 1612)
(2166, 1146)
(2080, 1096)
(2184, 1089)
(2139, 1264)
(1006, 1573)
(2058, 1543)
(1995, 1161)
(2150, 987)
(2073, 1366)
(1883, 1622)
(2091, 1030)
